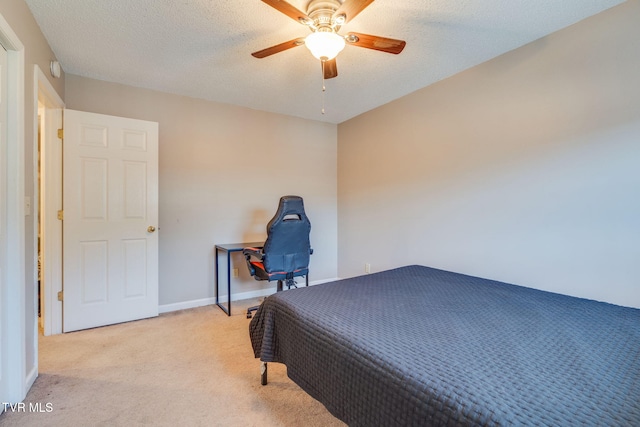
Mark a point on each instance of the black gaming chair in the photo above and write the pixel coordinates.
(286, 251)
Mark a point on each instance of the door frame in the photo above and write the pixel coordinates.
(50, 197)
(15, 381)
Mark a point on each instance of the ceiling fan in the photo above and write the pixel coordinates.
(324, 18)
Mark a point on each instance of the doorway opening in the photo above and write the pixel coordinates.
(48, 192)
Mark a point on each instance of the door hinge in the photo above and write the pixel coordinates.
(60, 133)
(60, 215)
(60, 296)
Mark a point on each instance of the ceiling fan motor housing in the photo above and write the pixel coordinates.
(321, 12)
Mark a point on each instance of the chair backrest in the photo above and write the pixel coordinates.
(287, 247)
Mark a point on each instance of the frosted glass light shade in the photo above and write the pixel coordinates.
(324, 45)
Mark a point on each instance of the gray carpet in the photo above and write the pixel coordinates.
(192, 367)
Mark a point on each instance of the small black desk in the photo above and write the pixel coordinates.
(230, 248)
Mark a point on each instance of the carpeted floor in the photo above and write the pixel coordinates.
(190, 368)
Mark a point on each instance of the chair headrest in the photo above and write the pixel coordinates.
(290, 205)
(289, 208)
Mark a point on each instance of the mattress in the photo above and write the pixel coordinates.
(422, 346)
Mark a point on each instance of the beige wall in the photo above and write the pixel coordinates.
(524, 169)
(36, 52)
(222, 171)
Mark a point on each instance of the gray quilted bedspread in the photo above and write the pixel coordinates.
(426, 347)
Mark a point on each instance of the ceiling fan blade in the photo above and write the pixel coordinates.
(382, 44)
(350, 8)
(278, 48)
(330, 69)
(289, 10)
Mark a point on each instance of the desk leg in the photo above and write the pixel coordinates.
(216, 278)
(222, 307)
(229, 283)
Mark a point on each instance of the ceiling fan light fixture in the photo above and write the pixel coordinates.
(324, 45)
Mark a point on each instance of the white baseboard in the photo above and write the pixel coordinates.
(31, 377)
(166, 308)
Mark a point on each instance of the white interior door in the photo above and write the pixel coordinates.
(110, 201)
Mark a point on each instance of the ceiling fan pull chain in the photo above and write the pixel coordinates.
(323, 87)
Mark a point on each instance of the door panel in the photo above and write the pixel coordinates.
(94, 278)
(93, 181)
(135, 255)
(110, 198)
(135, 185)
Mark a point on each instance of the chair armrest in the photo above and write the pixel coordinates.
(253, 252)
(248, 254)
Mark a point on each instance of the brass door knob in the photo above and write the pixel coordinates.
(151, 229)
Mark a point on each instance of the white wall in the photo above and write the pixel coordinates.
(222, 171)
(524, 169)
(23, 316)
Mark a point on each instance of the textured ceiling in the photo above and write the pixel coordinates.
(201, 48)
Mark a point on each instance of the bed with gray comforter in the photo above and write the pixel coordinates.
(426, 347)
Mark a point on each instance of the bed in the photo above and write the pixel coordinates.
(421, 346)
